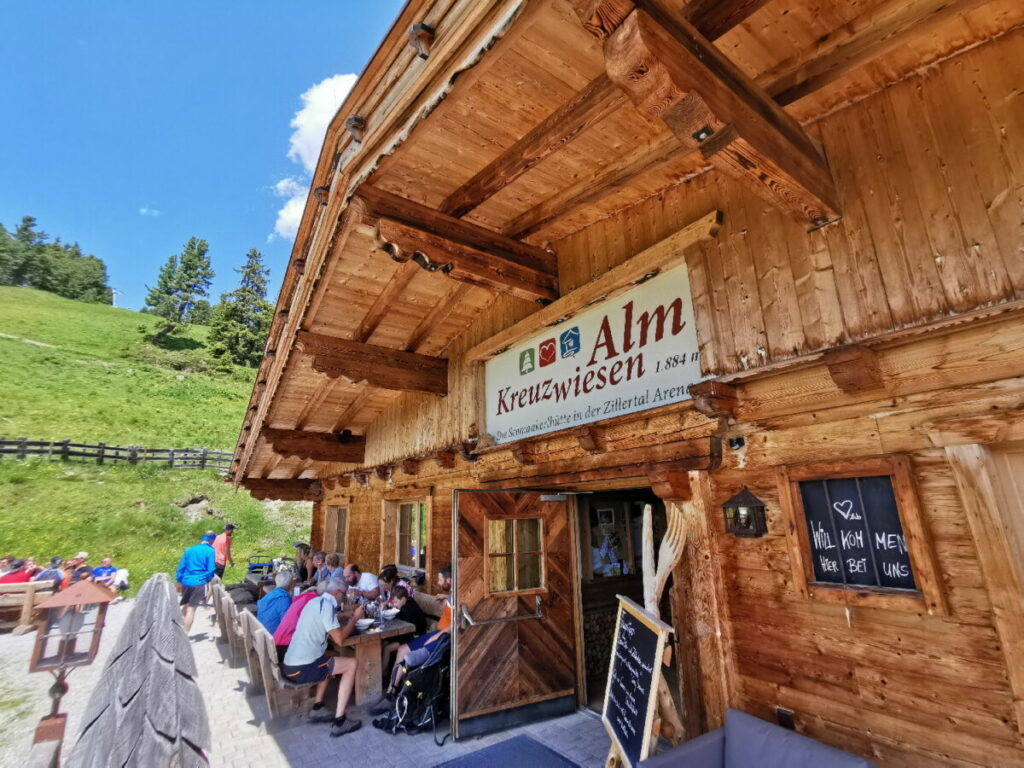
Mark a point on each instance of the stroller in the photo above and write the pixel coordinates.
(423, 696)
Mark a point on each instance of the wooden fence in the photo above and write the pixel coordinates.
(64, 450)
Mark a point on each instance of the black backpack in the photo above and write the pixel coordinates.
(422, 698)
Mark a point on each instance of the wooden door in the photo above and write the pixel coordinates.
(514, 637)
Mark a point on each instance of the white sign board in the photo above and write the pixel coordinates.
(635, 351)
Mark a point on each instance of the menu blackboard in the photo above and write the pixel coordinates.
(633, 677)
(855, 533)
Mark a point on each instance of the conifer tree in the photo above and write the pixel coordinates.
(242, 318)
(160, 298)
(184, 280)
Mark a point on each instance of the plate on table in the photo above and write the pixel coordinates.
(364, 624)
(389, 613)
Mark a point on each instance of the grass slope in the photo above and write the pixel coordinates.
(83, 371)
(134, 515)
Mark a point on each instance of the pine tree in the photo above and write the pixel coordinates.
(160, 298)
(183, 282)
(242, 318)
(200, 314)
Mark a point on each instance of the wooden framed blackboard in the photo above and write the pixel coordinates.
(631, 697)
(857, 535)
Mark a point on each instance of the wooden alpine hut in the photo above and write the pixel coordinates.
(758, 264)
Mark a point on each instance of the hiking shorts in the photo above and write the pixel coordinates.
(419, 642)
(193, 595)
(314, 672)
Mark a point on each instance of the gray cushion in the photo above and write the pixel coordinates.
(750, 741)
(705, 751)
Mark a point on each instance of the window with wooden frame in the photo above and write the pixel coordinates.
(857, 535)
(515, 554)
(411, 541)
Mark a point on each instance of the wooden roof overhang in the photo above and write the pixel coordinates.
(444, 178)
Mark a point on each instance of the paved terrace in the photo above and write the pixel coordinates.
(241, 736)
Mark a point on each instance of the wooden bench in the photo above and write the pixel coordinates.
(218, 595)
(283, 697)
(250, 626)
(232, 628)
(21, 600)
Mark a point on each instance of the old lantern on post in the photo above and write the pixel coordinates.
(68, 636)
(744, 515)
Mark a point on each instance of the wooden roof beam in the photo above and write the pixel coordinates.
(463, 251)
(283, 490)
(316, 446)
(380, 367)
(673, 73)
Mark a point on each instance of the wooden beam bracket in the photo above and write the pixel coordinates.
(283, 490)
(714, 399)
(384, 472)
(411, 466)
(445, 459)
(591, 439)
(316, 446)
(421, 37)
(356, 127)
(670, 481)
(854, 369)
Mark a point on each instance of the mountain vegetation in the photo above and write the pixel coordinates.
(28, 258)
(242, 318)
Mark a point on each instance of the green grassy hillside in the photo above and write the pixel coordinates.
(84, 372)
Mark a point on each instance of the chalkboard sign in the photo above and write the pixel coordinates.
(630, 700)
(855, 533)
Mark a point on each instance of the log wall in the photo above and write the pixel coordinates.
(931, 176)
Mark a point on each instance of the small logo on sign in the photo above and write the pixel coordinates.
(570, 342)
(527, 361)
(548, 353)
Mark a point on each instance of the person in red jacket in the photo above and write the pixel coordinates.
(18, 575)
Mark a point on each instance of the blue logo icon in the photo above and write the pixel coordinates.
(570, 342)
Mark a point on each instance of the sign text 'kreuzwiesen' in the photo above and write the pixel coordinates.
(635, 351)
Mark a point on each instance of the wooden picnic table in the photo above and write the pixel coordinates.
(368, 646)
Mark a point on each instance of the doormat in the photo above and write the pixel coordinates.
(512, 753)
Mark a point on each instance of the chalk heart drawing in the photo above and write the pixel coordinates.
(845, 508)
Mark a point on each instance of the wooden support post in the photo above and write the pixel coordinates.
(101, 453)
(23, 448)
(170, 458)
(202, 458)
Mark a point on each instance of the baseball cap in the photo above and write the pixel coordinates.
(229, 527)
(83, 555)
(55, 561)
(208, 537)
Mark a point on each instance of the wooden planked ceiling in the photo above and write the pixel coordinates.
(536, 146)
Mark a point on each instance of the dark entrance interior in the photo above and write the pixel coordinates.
(610, 536)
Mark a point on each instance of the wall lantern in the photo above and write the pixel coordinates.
(744, 515)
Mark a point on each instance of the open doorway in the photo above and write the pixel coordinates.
(611, 564)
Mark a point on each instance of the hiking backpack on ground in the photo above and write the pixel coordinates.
(422, 698)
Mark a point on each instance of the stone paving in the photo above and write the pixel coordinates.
(242, 733)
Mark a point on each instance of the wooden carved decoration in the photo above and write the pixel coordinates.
(411, 466)
(356, 127)
(445, 459)
(522, 454)
(591, 439)
(669, 481)
(714, 399)
(316, 446)
(300, 266)
(335, 482)
(362, 479)
(320, 194)
(384, 472)
(854, 369)
(380, 367)
(602, 17)
(466, 450)
(421, 37)
(672, 73)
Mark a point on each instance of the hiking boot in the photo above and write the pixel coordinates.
(384, 704)
(322, 715)
(344, 725)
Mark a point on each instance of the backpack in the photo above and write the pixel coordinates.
(422, 697)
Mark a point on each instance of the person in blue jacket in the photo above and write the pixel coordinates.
(271, 608)
(195, 571)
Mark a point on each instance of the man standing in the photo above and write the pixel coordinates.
(305, 661)
(222, 550)
(195, 570)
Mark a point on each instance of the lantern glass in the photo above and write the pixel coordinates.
(68, 636)
(745, 515)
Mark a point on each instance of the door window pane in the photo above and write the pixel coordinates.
(528, 575)
(500, 577)
(499, 537)
(527, 535)
(514, 554)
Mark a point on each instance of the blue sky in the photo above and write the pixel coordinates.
(131, 126)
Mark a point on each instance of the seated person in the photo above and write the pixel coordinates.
(408, 610)
(363, 585)
(18, 573)
(333, 569)
(271, 608)
(388, 579)
(416, 651)
(105, 573)
(286, 629)
(320, 571)
(6, 564)
(305, 661)
(302, 562)
(53, 573)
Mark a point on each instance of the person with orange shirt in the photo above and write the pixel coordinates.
(222, 550)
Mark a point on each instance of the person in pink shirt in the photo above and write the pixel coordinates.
(285, 630)
(222, 550)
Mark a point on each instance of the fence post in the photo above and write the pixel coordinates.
(3, 444)
(170, 459)
(65, 450)
(49, 450)
(133, 454)
(102, 451)
(202, 458)
(22, 447)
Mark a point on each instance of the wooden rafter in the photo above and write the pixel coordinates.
(283, 490)
(317, 446)
(673, 73)
(380, 367)
(463, 251)
(436, 316)
(385, 301)
(354, 408)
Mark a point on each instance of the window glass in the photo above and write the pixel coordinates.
(500, 574)
(514, 555)
(412, 535)
(499, 537)
(528, 575)
(528, 535)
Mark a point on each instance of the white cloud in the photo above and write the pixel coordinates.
(148, 210)
(319, 105)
